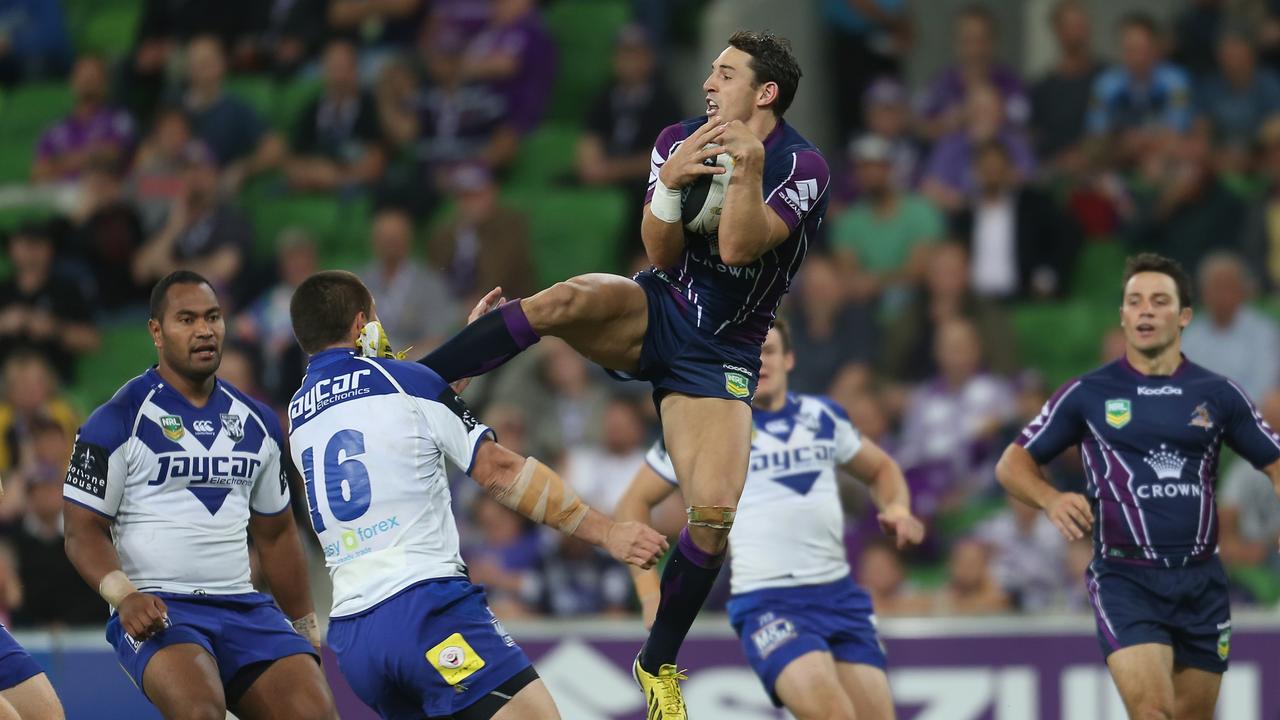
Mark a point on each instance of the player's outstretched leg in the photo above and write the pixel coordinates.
(1144, 676)
(34, 699)
(292, 687)
(810, 688)
(602, 316)
(182, 681)
(7, 711)
(533, 702)
(1195, 693)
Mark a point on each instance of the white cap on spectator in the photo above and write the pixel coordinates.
(871, 148)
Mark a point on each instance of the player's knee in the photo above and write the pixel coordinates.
(1153, 710)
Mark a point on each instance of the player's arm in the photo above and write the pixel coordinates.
(671, 170)
(1246, 432)
(889, 491)
(87, 542)
(646, 491)
(748, 227)
(537, 492)
(285, 569)
(1020, 475)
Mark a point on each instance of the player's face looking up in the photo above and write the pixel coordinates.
(776, 360)
(1151, 314)
(732, 90)
(189, 333)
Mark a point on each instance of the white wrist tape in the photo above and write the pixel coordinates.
(115, 587)
(665, 204)
(308, 627)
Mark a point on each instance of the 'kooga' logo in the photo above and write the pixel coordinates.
(1163, 390)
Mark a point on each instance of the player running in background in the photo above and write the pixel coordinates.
(1150, 427)
(808, 631)
(413, 636)
(162, 484)
(691, 325)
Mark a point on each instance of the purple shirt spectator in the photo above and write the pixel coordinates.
(107, 126)
(527, 88)
(951, 161)
(948, 92)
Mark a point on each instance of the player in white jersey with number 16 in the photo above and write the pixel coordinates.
(371, 436)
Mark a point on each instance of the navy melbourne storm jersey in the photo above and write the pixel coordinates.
(1150, 448)
(738, 303)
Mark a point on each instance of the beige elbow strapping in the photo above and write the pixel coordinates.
(540, 495)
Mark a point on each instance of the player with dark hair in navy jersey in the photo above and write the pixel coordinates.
(1150, 428)
(692, 325)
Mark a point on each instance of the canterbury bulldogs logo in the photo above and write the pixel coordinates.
(233, 426)
(1163, 390)
(202, 427)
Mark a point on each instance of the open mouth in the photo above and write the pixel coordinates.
(1145, 329)
(712, 108)
(204, 352)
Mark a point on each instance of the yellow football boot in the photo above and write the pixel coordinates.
(661, 692)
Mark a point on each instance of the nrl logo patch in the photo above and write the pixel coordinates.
(1118, 413)
(172, 427)
(233, 426)
(1224, 642)
(736, 384)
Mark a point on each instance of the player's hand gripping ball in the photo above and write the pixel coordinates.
(704, 198)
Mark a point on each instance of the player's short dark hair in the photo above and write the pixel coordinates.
(160, 293)
(784, 331)
(772, 61)
(1156, 263)
(1141, 21)
(324, 306)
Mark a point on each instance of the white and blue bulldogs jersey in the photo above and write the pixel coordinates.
(179, 482)
(790, 526)
(370, 437)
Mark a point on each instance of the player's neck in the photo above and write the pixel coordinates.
(196, 392)
(1162, 365)
(763, 123)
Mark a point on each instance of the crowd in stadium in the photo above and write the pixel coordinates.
(965, 212)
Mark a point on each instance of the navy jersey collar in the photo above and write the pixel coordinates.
(775, 134)
(1183, 364)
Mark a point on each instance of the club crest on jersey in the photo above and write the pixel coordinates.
(1201, 418)
(736, 384)
(172, 427)
(1118, 412)
(233, 426)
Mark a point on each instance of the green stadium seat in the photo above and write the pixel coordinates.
(584, 31)
(1061, 340)
(318, 214)
(25, 113)
(126, 351)
(545, 155)
(290, 100)
(1097, 273)
(259, 92)
(574, 231)
(109, 29)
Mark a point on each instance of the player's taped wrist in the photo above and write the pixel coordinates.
(542, 496)
(308, 627)
(665, 204)
(115, 587)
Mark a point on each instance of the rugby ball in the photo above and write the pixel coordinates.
(704, 198)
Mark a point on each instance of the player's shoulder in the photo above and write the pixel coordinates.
(677, 132)
(1200, 380)
(789, 152)
(822, 405)
(414, 378)
(111, 424)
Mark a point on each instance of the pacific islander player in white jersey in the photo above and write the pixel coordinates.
(370, 435)
(164, 481)
(808, 631)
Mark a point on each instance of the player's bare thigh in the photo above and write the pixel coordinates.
(709, 440)
(7, 711)
(810, 688)
(182, 681)
(34, 699)
(532, 702)
(1144, 676)
(293, 688)
(1195, 693)
(604, 317)
(868, 687)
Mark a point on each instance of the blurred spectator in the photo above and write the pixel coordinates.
(1143, 97)
(30, 393)
(1234, 101)
(593, 469)
(381, 27)
(1248, 514)
(1229, 336)
(576, 578)
(949, 178)
(33, 41)
(505, 559)
(283, 35)
(109, 233)
(517, 56)
(888, 116)
(202, 232)
(486, 244)
(908, 353)
(239, 137)
(1077, 597)
(1196, 32)
(413, 300)
(239, 367)
(1020, 244)
(42, 310)
(1260, 238)
(951, 423)
(827, 330)
(1028, 555)
(11, 596)
(165, 26)
(865, 39)
(1184, 210)
(881, 574)
(1060, 99)
(54, 592)
(266, 325)
(882, 240)
(93, 130)
(975, 67)
(971, 587)
(337, 140)
(557, 387)
(161, 162)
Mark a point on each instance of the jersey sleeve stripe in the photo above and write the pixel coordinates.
(1258, 422)
(794, 159)
(95, 510)
(475, 448)
(1043, 421)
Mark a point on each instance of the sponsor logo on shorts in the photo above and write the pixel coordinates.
(202, 427)
(1224, 640)
(1118, 412)
(454, 659)
(772, 635)
(1162, 390)
(172, 427)
(736, 384)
